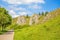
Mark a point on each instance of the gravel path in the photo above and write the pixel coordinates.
(7, 36)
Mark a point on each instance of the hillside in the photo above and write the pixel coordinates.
(42, 18)
(51, 15)
(48, 30)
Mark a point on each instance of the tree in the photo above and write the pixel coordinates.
(39, 14)
(27, 16)
(42, 13)
(5, 18)
(46, 13)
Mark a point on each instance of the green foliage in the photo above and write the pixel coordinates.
(5, 18)
(42, 13)
(39, 14)
(27, 16)
(4, 31)
(46, 13)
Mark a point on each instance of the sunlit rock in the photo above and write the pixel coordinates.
(34, 19)
(21, 20)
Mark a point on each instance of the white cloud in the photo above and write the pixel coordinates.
(20, 8)
(13, 7)
(23, 13)
(13, 14)
(35, 7)
(12, 1)
(24, 1)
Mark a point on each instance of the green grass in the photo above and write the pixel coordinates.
(50, 30)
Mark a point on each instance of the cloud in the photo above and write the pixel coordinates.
(15, 6)
(23, 13)
(12, 1)
(15, 11)
(19, 9)
(35, 7)
(24, 1)
(13, 14)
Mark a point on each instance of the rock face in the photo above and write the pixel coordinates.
(34, 19)
(21, 20)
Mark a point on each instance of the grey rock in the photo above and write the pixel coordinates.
(21, 20)
(34, 19)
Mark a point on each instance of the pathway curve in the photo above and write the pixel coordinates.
(7, 36)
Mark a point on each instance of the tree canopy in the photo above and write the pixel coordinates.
(5, 18)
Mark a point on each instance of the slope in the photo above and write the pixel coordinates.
(50, 30)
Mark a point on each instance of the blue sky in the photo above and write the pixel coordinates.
(24, 7)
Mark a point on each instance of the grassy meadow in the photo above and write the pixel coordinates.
(49, 30)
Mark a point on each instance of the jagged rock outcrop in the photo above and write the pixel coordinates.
(34, 19)
(38, 19)
(21, 20)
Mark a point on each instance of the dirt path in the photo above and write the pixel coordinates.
(7, 36)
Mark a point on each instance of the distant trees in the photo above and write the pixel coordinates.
(5, 18)
(43, 13)
(46, 13)
(39, 14)
(27, 16)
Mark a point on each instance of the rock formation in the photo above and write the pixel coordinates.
(21, 20)
(34, 19)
